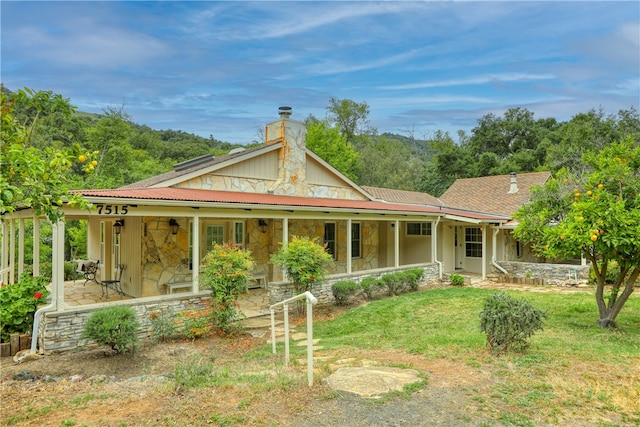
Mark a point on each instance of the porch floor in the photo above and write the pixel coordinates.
(253, 303)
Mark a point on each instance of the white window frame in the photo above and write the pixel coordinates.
(473, 242)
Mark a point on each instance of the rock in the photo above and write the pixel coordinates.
(372, 381)
(24, 376)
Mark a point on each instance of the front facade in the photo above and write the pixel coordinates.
(158, 230)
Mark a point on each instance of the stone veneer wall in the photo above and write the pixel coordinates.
(279, 291)
(61, 331)
(547, 272)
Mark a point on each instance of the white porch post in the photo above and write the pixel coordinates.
(484, 251)
(12, 251)
(58, 264)
(195, 256)
(285, 242)
(5, 253)
(21, 246)
(349, 247)
(36, 246)
(396, 243)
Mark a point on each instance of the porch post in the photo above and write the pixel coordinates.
(396, 243)
(21, 246)
(5, 253)
(12, 251)
(484, 251)
(349, 246)
(285, 242)
(195, 256)
(58, 264)
(36, 246)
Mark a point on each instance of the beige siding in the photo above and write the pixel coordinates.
(261, 167)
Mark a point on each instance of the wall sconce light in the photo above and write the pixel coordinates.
(263, 225)
(174, 226)
(117, 226)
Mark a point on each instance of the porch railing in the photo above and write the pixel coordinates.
(311, 300)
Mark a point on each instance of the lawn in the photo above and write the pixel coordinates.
(572, 367)
(574, 373)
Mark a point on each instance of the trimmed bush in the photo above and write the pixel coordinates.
(393, 282)
(509, 322)
(411, 278)
(344, 290)
(113, 326)
(370, 286)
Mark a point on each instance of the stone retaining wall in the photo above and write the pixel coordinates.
(61, 331)
(545, 273)
(280, 291)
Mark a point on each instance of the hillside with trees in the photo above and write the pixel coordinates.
(517, 141)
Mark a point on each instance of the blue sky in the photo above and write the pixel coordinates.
(224, 68)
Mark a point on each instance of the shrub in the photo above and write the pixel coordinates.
(197, 324)
(70, 270)
(193, 372)
(456, 280)
(370, 285)
(113, 326)
(509, 322)
(413, 277)
(226, 270)
(393, 283)
(162, 325)
(19, 302)
(344, 290)
(305, 262)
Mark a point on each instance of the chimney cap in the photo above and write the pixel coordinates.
(284, 112)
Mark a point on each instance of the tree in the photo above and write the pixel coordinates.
(595, 213)
(304, 260)
(327, 143)
(349, 116)
(30, 176)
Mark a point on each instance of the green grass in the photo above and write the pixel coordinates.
(445, 323)
(573, 368)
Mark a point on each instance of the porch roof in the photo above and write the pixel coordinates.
(157, 196)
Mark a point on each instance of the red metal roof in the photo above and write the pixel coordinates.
(230, 197)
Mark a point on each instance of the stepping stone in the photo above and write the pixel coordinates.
(372, 381)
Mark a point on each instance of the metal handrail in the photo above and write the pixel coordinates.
(311, 300)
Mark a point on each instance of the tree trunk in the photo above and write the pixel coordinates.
(608, 313)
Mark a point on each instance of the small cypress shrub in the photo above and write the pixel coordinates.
(113, 326)
(412, 278)
(393, 282)
(369, 286)
(509, 322)
(344, 290)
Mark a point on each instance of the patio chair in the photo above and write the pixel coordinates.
(89, 269)
(116, 284)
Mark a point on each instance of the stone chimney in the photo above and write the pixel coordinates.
(513, 188)
(292, 160)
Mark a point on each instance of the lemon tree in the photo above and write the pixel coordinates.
(596, 214)
(30, 176)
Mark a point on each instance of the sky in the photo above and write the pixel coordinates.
(222, 68)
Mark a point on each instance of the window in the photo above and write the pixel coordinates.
(214, 234)
(238, 234)
(473, 242)
(330, 238)
(518, 249)
(356, 240)
(418, 229)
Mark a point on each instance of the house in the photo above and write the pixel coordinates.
(155, 232)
